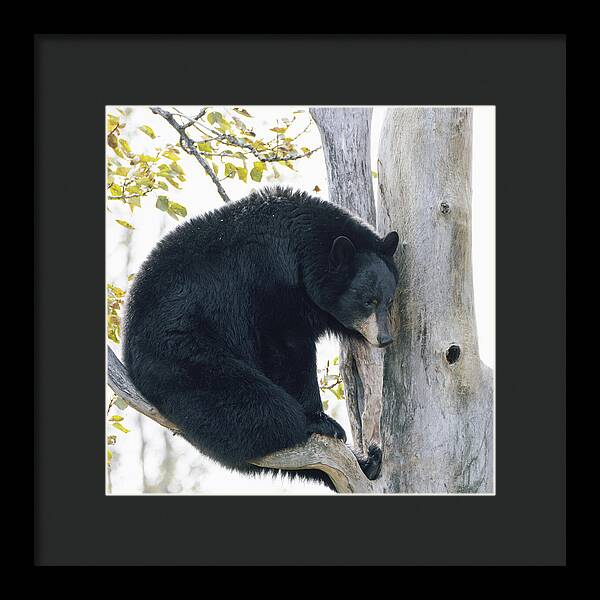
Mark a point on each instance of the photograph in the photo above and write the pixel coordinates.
(300, 300)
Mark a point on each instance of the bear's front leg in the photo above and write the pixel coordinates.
(310, 397)
(322, 423)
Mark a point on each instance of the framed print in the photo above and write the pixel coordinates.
(275, 291)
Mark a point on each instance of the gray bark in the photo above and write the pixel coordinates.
(346, 137)
(437, 417)
(432, 416)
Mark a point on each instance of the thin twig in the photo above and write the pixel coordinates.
(188, 146)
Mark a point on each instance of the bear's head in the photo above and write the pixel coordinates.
(365, 287)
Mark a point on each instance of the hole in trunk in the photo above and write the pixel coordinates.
(453, 354)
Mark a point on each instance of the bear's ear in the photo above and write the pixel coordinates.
(341, 254)
(390, 243)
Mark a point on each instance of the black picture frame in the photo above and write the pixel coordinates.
(77, 75)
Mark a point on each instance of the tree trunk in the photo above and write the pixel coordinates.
(346, 137)
(436, 416)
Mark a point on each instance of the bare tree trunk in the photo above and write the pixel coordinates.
(346, 137)
(429, 393)
(437, 419)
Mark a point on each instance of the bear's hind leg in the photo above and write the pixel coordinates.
(236, 414)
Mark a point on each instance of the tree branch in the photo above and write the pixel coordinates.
(320, 452)
(188, 146)
(119, 382)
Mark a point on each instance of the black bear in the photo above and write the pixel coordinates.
(223, 317)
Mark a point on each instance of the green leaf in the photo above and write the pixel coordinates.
(122, 171)
(230, 169)
(214, 117)
(374, 173)
(162, 203)
(147, 130)
(162, 185)
(134, 201)
(125, 224)
(177, 168)
(120, 403)
(256, 174)
(178, 209)
(204, 147)
(146, 181)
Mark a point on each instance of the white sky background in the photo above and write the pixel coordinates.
(198, 194)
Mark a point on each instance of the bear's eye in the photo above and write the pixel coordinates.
(371, 302)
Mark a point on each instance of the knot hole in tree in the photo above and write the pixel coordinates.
(453, 354)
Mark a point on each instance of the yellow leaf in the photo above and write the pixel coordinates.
(118, 292)
(243, 112)
(111, 121)
(242, 173)
(147, 130)
(116, 418)
(124, 224)
(171, 155)
(316, 188)
(125, 145)
(115, 190)
(120, 427)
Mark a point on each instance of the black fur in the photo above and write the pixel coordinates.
(223, 317)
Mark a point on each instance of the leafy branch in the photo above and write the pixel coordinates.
(232, 139)
(188, 146)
